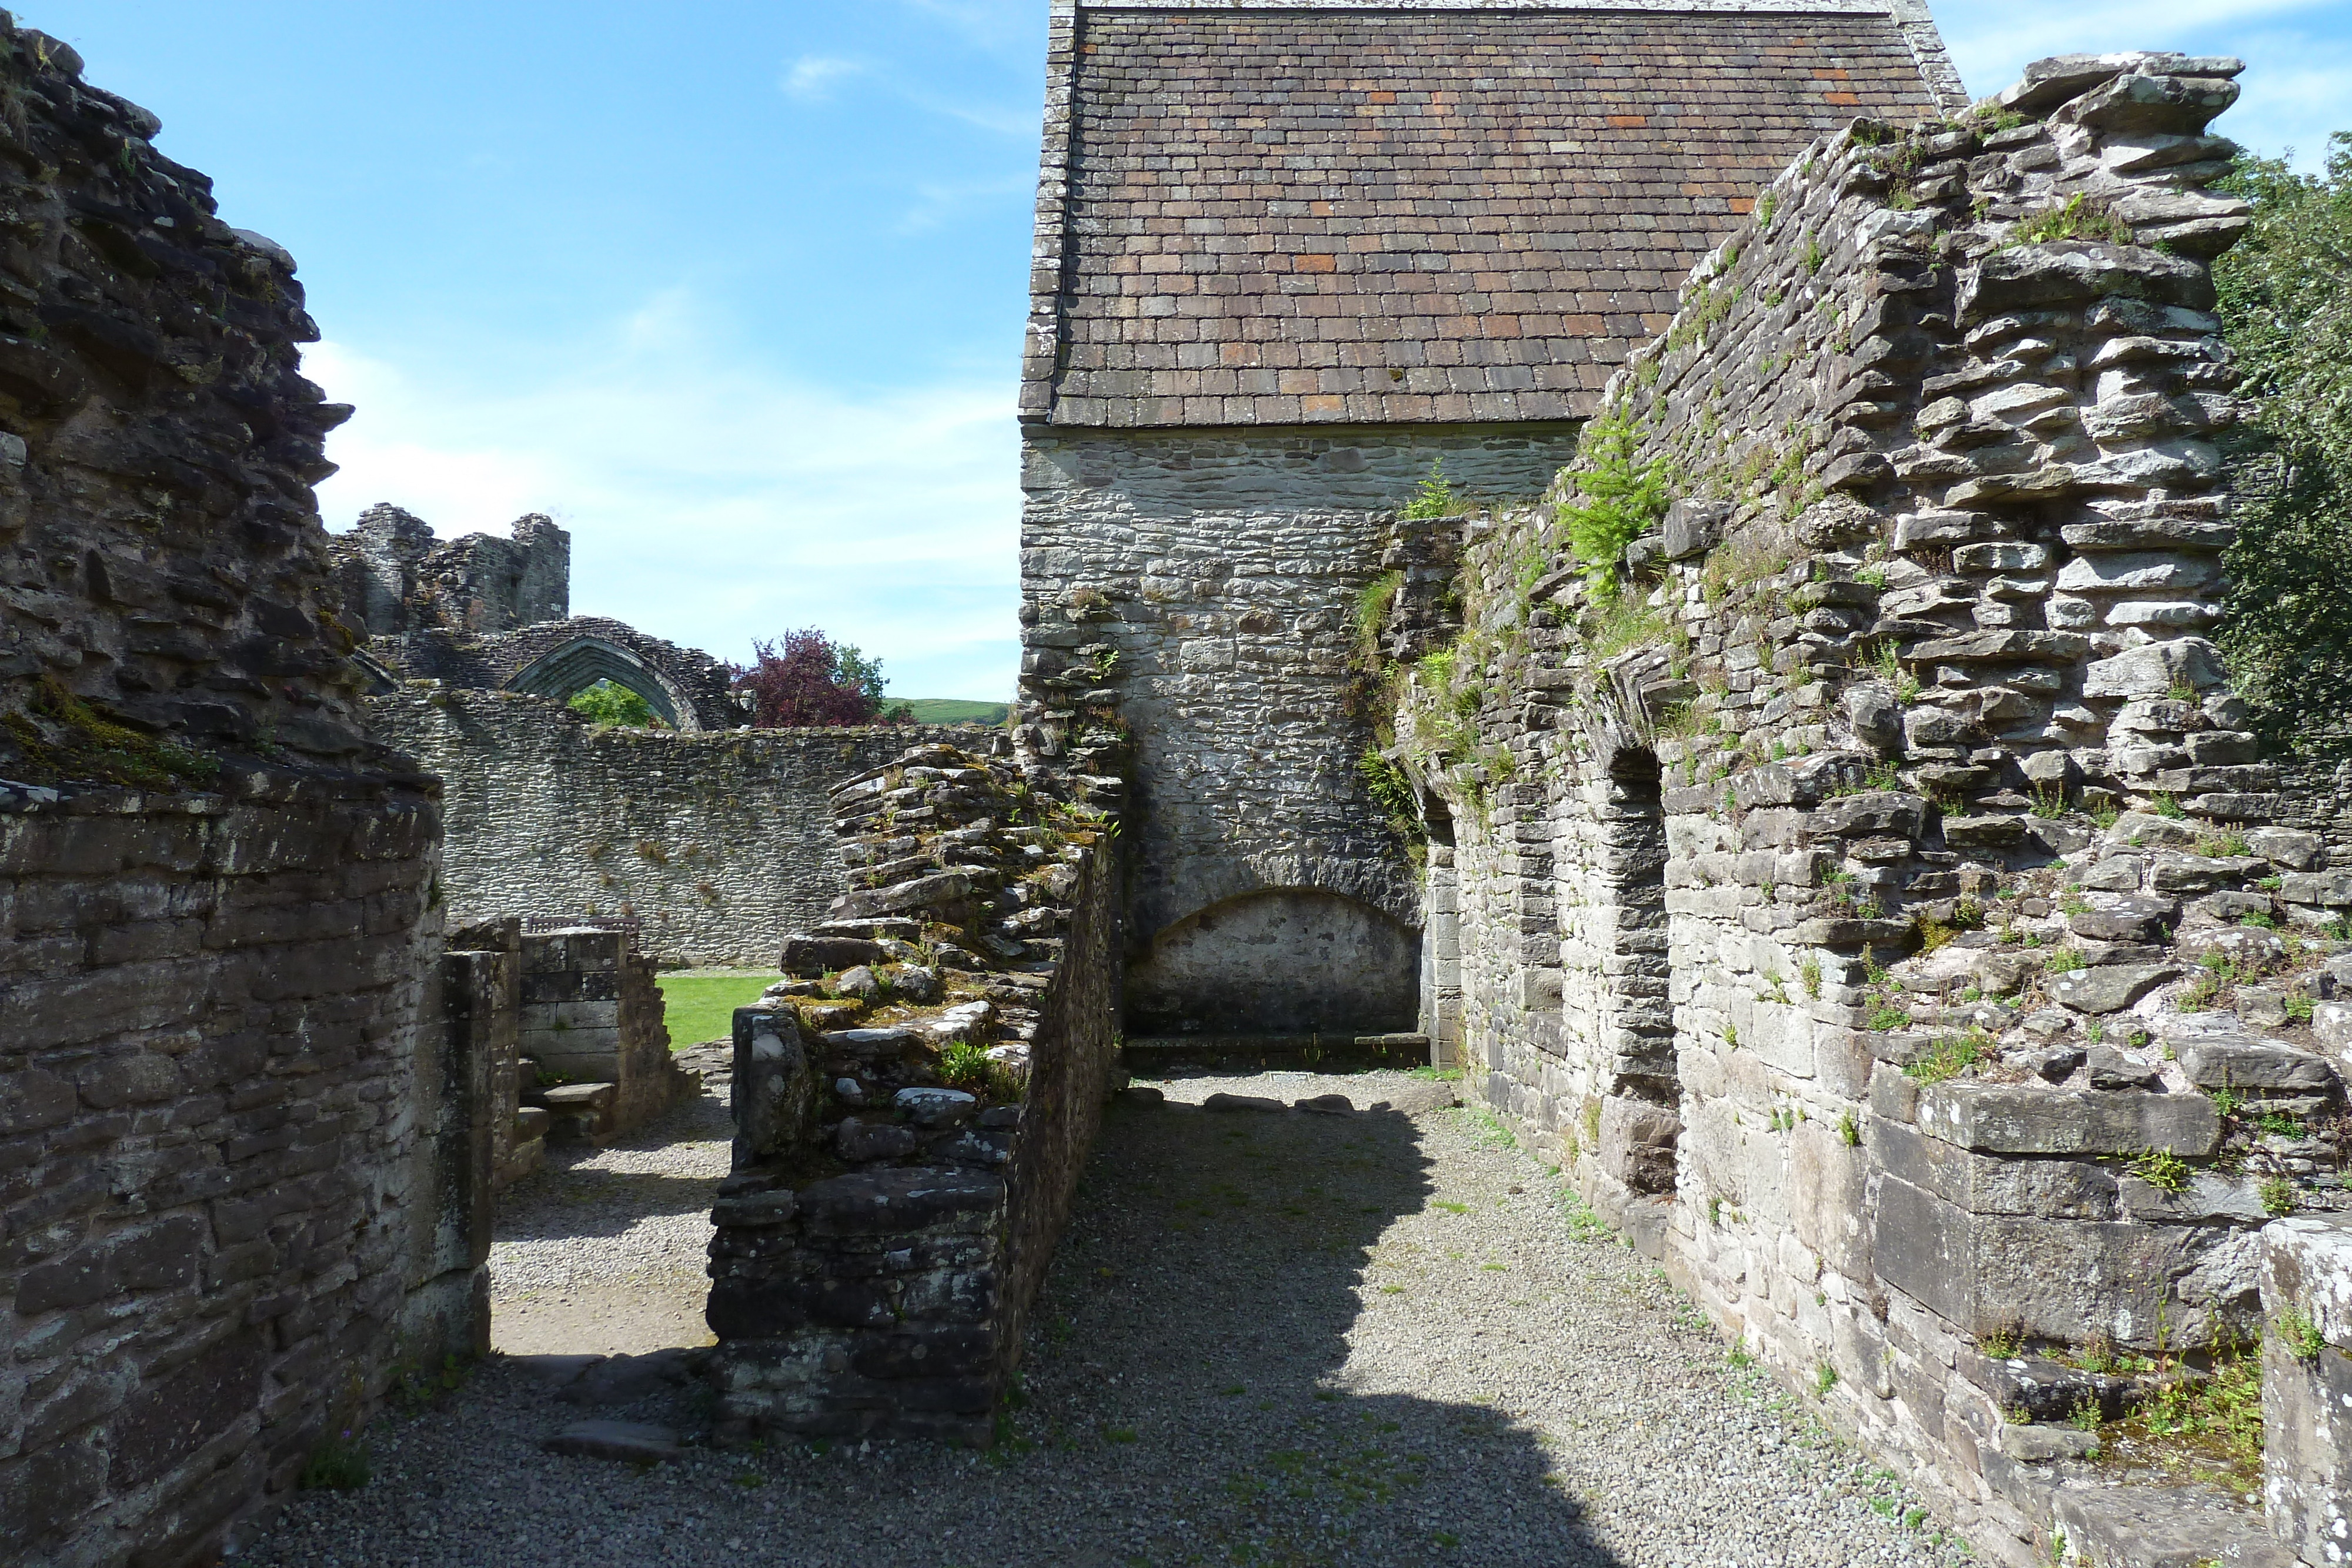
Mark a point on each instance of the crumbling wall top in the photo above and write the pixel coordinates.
(164, 586)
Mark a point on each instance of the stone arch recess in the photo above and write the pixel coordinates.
(1278, 960)
(1639, 1080)
(565, 671)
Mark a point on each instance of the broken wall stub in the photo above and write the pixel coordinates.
(913, 1108)
(1192, 595)
(716, 843)
(238, 1164)
(1877, 905)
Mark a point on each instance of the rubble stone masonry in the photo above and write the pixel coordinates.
(1879, 904)
(717, 844)
(913, 1107)
(241, 1174)
(1200, 586)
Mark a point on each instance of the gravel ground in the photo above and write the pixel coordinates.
(1377, 1338)
(601, 1252)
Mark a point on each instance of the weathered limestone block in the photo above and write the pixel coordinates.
(2033, 1119)
(2306, 1287)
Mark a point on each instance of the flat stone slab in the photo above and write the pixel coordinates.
(555, 1371)
(630, 1441)
(579, 1097)
(2027, 1119)
(1329, 1105)
(625, 1379)
(2167, 1527)
(2111, 987)
(2245, 1062)
(1222, 1101)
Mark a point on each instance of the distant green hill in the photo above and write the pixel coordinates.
(951, 710)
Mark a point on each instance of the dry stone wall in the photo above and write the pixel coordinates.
(222, 1180)
(913, 1109)
(1877, 902)
(718, 844)
(1188, 599)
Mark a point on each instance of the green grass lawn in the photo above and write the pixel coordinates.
(702, 1007)
(952, 710)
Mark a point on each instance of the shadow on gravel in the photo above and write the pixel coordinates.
(1199, 1314)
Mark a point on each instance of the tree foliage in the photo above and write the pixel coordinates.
(2286, 309)
(805, 679)
(613, 706)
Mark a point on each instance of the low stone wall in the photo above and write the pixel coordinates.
(244, 1179)
(717, 844)
(896, 1195)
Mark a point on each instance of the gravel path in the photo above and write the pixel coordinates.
(1378, 1339)
(602, 1251)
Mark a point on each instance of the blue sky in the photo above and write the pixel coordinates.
(735, 290)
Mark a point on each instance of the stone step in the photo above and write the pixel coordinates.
(580, 1113)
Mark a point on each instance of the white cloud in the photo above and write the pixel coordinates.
(711, 501)
(934, 205)
(811, 76)
(811, 79)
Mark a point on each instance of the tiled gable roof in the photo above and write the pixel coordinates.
(1436, 210)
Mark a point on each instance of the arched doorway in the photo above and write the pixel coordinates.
(1290, 960)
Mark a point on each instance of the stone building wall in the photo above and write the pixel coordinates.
(894, 1201)
(687, 688)
(240, 1167)
(718, 843)
(1877, 905)
(1198, 590)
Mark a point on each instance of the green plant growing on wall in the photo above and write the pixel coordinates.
(1390, 790)
(1373, 603)
(1434, 498)
(2078, 217)
(1622, 499)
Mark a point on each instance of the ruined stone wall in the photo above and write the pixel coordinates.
(396, 576)
(2307, 1385)
(241, 1170)
(592, 1027)
(1875, 904)
(215, 1206)
(718, 843)
(913, 1109)
(1195, 592)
